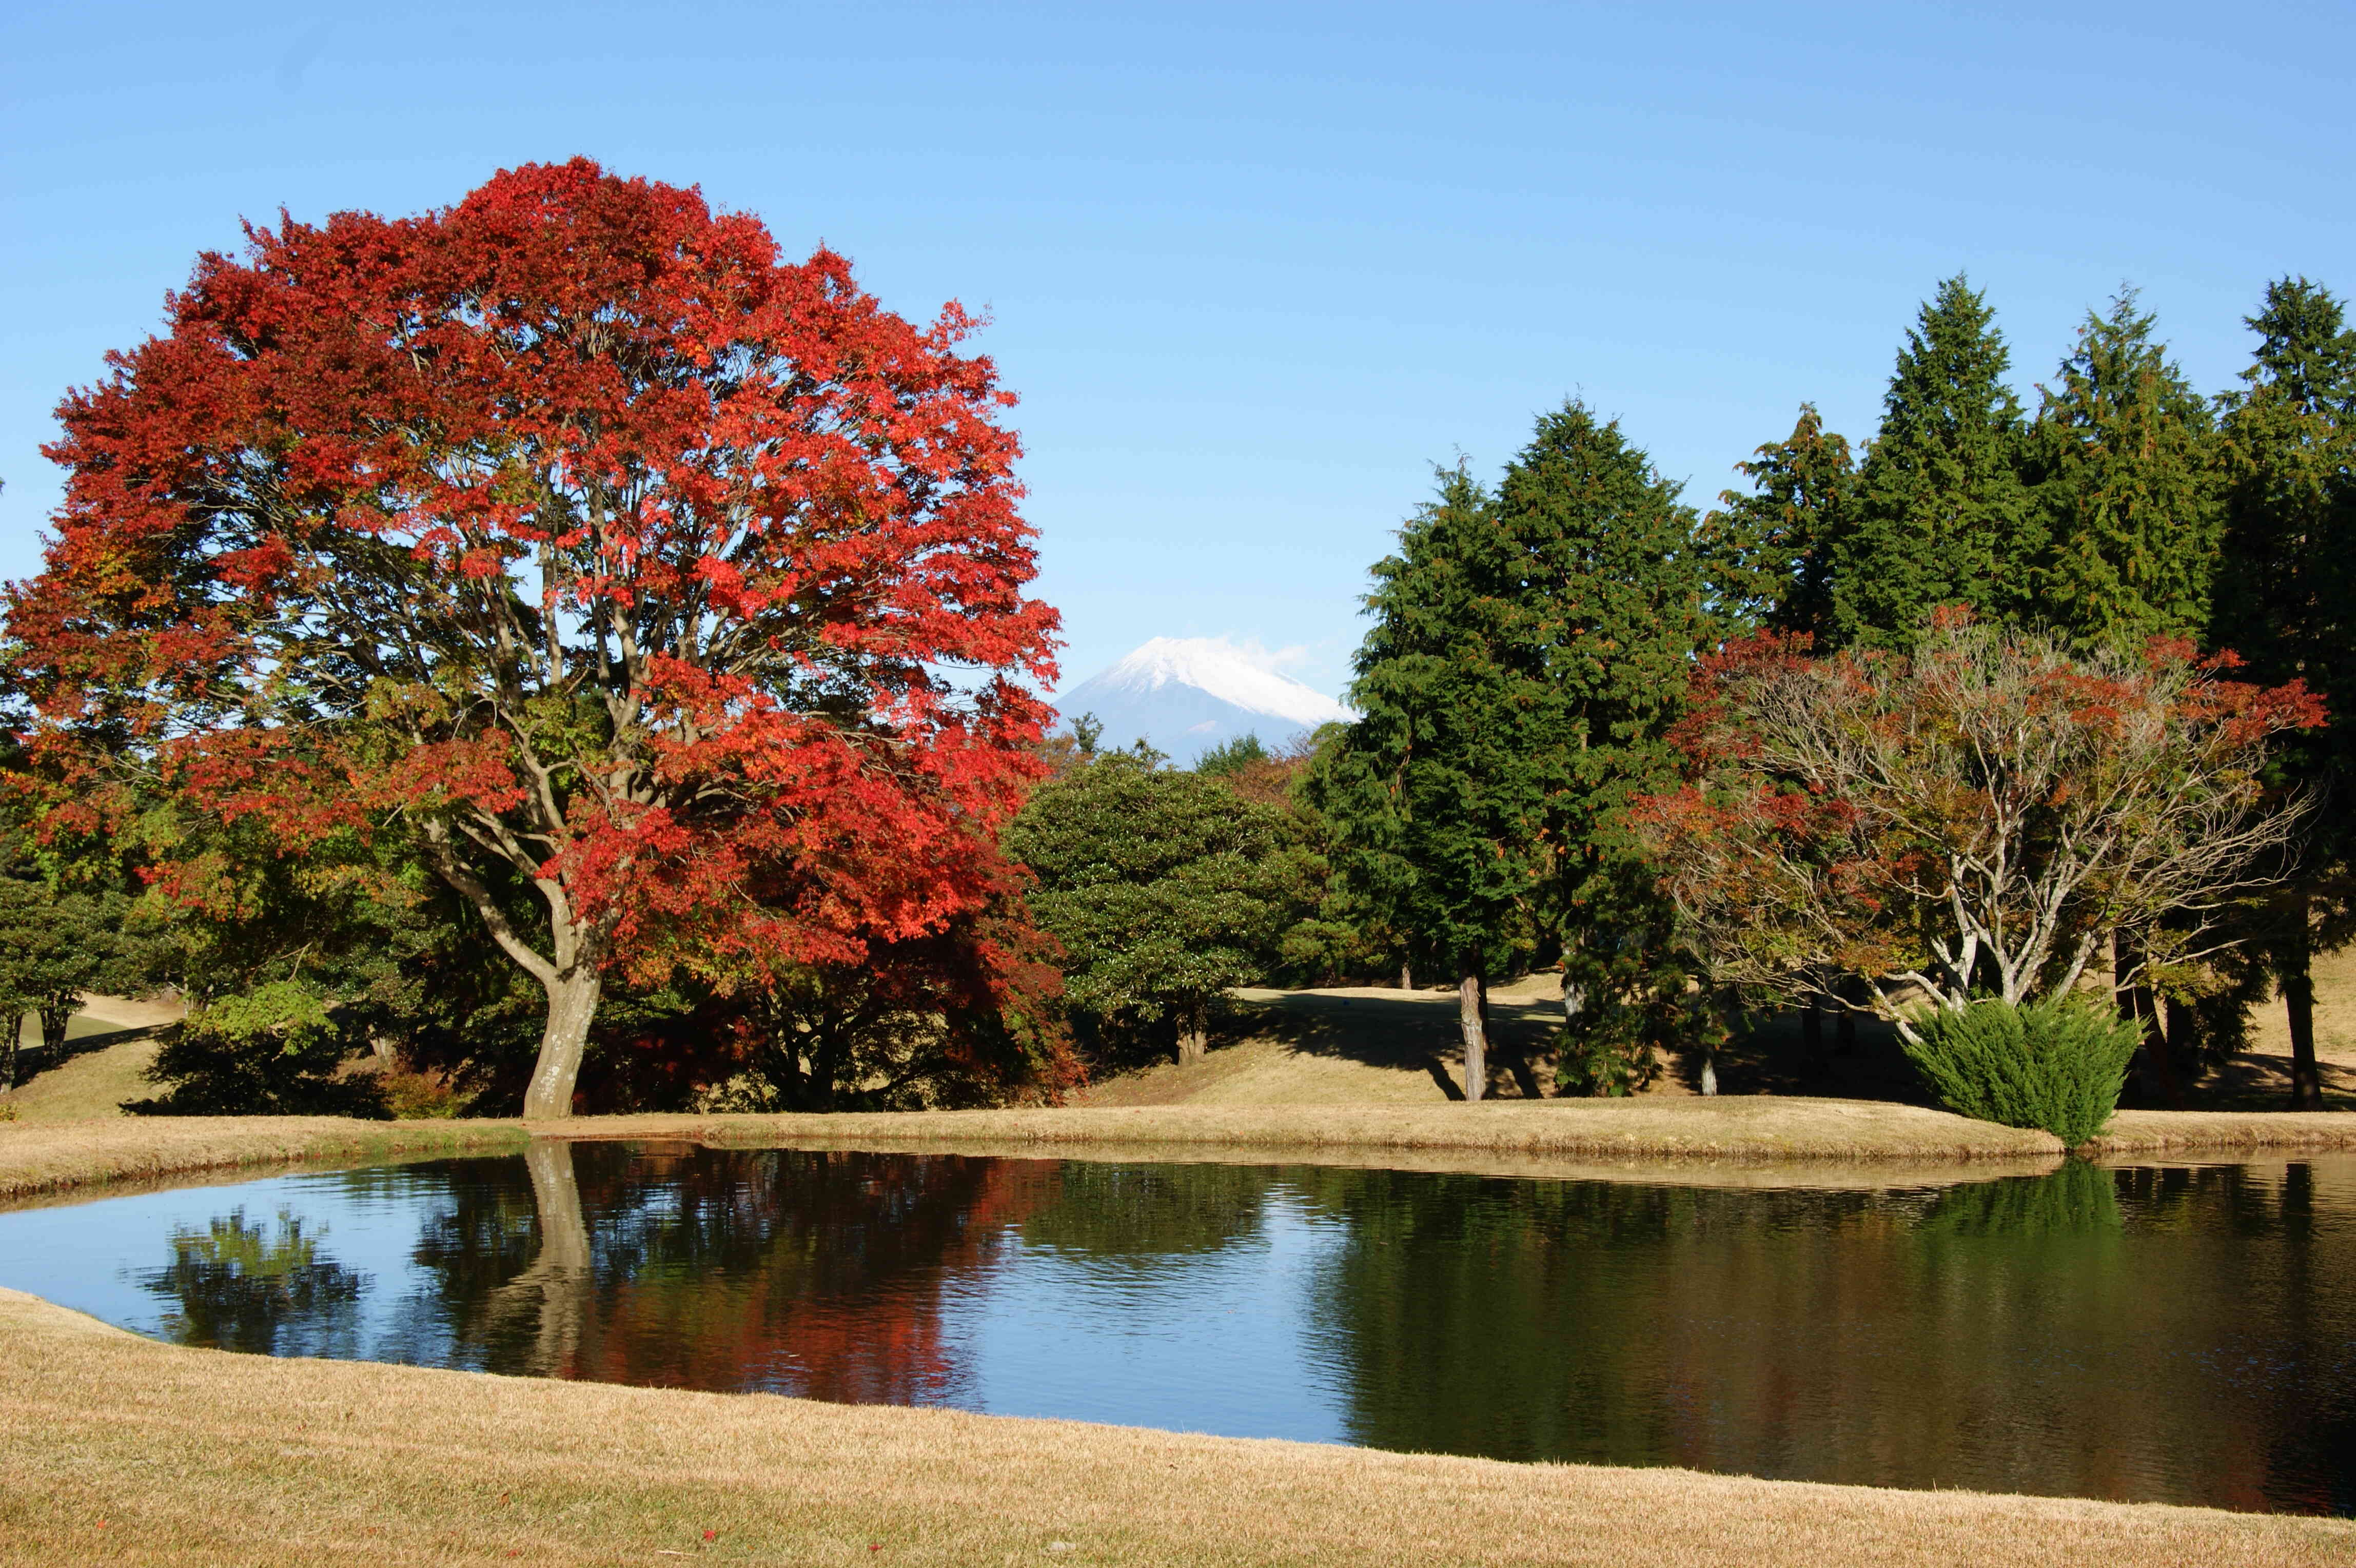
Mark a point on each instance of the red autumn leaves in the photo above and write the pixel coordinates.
(638, 573)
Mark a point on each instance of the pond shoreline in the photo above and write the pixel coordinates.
(1747, 1140)
(131, 1450)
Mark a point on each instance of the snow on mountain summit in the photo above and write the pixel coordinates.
(1183, 695)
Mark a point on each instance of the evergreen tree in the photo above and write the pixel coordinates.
(1437, 795)
(57, 940)
(2285, 601)
(1612, 614)
(1942, 514)
(1768, 553)
(1528, 656)
(1163, 887)
(2127, 483)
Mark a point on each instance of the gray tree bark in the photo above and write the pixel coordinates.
(1193, 1031)
(1471, 993)
(572, 1006)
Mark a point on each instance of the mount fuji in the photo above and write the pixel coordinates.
(1183, 695)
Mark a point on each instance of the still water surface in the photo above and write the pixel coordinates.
(2184, 1335)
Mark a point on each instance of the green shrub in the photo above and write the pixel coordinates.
(274, 1051)
(2057, 1064)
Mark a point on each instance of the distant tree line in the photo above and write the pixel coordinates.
(1530, 687)
(2109, 636)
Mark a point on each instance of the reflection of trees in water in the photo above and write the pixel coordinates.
(2019, 1335)
(240, 1286)
(815, 1273)
(1131, 1215)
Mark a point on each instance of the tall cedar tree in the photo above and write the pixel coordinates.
(1438, 793)
(1942, 514)
(1768, 553)
(1606, 601)
(2123, 460)
(2286, 602)
(668, 592)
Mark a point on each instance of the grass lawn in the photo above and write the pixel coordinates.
(120, 1450)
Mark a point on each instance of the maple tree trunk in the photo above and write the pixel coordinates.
(1472, 998)
(1845, 1027)
(572, 1005)
(2294, 975)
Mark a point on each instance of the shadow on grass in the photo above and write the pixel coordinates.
(33, 1060)
(1415, 1032)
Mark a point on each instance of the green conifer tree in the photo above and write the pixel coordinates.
(2286, 603)
(1437, 794)
(1768, 554)
(1613, 613)
(2125, 469)
(1941, 515)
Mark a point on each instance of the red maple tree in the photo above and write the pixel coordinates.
(666, 591)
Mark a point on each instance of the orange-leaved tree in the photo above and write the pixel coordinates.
(1973, 817)
(667, 593)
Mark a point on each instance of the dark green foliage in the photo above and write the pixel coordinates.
(58, 939)
(2078, 1200)
(236, 1286)
(1768, 554)
(1232, 756)
(2286, 603)
(1437, 794)
(1614, 618)
(1941, 515)
(1163, 887)
(2287, 588)
(274, 1051)
(1611, 1053)
(2057, 1064)
(2127, 471)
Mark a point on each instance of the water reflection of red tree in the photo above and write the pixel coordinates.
(822, 1274)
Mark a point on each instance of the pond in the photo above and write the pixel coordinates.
(2182, 1334)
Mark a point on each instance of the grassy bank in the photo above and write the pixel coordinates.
(47, 1157)
(1736, 1142)
(42, 1158)
(122, 1450)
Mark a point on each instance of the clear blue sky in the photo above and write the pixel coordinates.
(1253, 268)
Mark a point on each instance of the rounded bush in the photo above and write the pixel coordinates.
(2057, 1064)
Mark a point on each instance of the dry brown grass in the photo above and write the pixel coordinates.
(90, 1085)
(1726, 1140)
(111, 1043)
(119, 1450)
(1593, 1134)
(36, 1157)
(1719, 1129)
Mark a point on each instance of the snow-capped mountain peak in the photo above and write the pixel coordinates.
(1183, 695)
